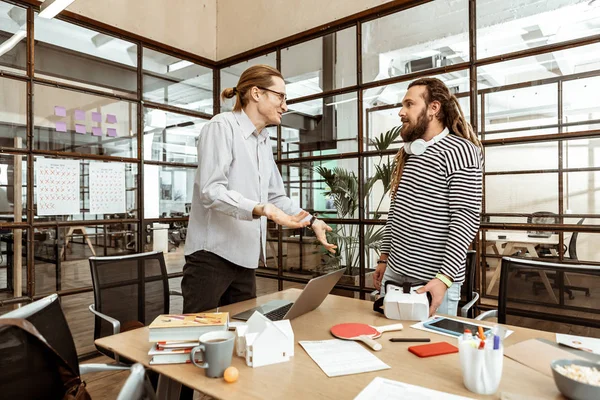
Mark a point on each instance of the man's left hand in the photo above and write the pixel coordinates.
(437, 289)
(319, 228)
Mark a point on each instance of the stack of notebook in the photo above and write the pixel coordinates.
(176, 334)
(171, 352)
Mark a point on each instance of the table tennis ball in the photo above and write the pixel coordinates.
(231, 374)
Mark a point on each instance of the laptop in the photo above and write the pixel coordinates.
(311, 297)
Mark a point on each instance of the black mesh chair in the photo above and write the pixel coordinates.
(518, 306)
(129, 292)
(47, 316)
(546, 218)
(467, 290)
(28, 370)
(572, 257)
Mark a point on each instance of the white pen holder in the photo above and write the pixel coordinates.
(481, 369)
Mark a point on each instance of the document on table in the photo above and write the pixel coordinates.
(342, 357)
(591, 345)
(387, 389)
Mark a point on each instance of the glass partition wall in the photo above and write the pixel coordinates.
(98, 137)
(526, 79)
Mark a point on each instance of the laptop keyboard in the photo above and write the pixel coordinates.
(279, 313)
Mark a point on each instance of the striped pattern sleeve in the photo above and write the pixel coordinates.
(386, 244)
(465, 195)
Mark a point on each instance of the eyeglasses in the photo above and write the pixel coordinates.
(282, 96)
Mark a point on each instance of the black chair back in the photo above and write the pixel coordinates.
(519, 305)
(468, 287)
(48, 318)
(29, 371)
(132, 289)
(573, 242)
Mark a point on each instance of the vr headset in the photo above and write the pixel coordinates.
(401, 301)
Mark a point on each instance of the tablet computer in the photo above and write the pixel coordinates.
(453, 327)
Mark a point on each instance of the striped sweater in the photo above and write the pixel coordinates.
(436, 211)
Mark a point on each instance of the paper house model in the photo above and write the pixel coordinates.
(264, 342)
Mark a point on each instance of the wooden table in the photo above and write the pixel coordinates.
(301, 378)
(516, 240)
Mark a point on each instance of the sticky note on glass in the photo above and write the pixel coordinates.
(96, 117)
(111, 132)
(111, 119)
(60, 111)
(96, 131)
(79, 115)
(80, 129)
(60, 126)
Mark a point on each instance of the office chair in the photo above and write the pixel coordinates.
(129, 292)
(29, 362)
(572, 256)
(514, 300)
(467, 290)
(137, 386)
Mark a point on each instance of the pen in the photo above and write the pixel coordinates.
(410, 340)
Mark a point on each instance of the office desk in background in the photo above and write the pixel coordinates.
(514, 241)
(301, 378)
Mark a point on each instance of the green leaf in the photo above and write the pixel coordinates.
(384, 140)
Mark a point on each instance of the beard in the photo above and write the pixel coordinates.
(415, 130)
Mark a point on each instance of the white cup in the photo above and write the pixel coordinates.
(481, 369)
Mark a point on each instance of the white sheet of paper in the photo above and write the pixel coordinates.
(342, 357)
(419, 326)
(387, 389)
(581, 342)
(107, 188)
(57, 191)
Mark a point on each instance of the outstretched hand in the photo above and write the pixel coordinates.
(320, 228)
(279, 217)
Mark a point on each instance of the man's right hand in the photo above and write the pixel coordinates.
(280, 218)
(379, 271)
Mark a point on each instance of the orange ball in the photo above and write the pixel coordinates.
(231, 374)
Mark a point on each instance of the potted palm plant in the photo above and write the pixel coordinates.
(343, 190)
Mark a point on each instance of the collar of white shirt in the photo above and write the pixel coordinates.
(247, 127)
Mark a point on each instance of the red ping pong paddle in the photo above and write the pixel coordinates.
(354, 331)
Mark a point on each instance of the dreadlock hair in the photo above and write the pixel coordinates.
(450, 115)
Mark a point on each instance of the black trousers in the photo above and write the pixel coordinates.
(210, 281)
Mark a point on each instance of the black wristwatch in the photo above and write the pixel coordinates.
(312, 221)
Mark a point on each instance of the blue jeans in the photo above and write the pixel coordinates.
(449, 305)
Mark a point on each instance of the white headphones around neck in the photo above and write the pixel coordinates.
(418, 147)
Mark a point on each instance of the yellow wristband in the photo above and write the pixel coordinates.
(444, 279)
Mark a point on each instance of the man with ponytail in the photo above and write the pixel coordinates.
(436, 197)
(236, 188)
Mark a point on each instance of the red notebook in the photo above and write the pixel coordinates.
(433, 349)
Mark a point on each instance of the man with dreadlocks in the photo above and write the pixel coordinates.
(436, 197)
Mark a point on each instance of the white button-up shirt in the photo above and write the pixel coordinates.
(236, 171)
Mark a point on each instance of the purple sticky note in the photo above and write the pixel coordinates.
(111, 132)
(96, 117)
(96, 131)
(61, 126)
(111, 119)
(80, 129)
(60, 111)
(79, 115)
